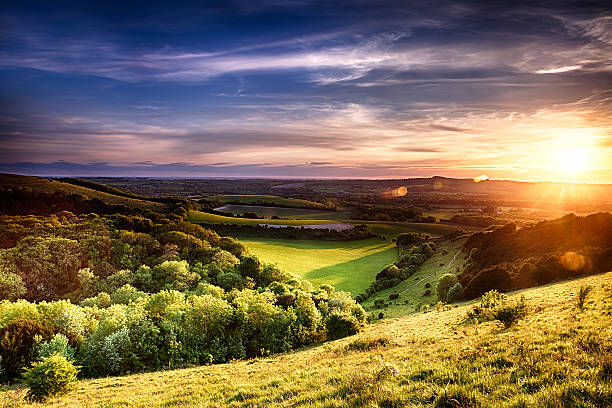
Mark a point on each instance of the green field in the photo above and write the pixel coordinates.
(557, 356)
(269, 199)
(286, 212)
(349, 266)
(207, 218)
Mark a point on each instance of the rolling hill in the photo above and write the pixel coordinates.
(557, 356)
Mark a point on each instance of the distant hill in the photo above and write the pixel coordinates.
(38, 195)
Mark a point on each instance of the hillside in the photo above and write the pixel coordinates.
(13, 187)
(557, 356)
(553, 250)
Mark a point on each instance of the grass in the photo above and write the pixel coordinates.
(270, 199)
(349, 266)
(557, 356)
(411, 291)
(286, 212)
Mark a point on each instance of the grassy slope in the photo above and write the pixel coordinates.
(286, 212)
(349, 266)
(254, 199)
(44, 185)
(413, 289)
(555, 353)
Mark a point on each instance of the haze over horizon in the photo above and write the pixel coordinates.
(308, 89)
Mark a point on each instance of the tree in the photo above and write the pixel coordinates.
(445, 282)
(455, 293)
(11, 285)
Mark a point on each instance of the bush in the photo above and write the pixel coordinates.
(51, 377)
(496, 278)
(16, 342)
(509, 314)
(445, 282)
(393, 296)
(455, 294)
(341, 325)
(57, 345)
(367, 344)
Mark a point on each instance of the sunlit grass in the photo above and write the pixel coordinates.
(556, 356)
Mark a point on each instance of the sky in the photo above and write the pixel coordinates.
(300, 88)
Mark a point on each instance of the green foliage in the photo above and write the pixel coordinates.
(455, 293)
(52, 377)
(494, 306)
(341, 325)
(367, 344)
(58, 344)
(445, 282)
(16, 341)
(11, 285)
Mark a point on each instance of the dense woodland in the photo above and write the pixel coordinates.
(508, 258)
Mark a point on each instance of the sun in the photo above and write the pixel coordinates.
(573, 160)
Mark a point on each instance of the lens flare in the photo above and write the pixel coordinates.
(480, 178)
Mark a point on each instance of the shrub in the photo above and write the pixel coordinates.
(509, 314)
(16, 341)
(455, 294)
(51, 377)
(393, 296)
(379, 303)
(488, 279)
(57, 345)
(582, 295)
(445, 282)
(341, 325)
(367, 344)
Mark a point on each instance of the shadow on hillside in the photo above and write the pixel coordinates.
(361, 270)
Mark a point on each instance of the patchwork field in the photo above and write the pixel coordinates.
(349, 266)
(285, 212)
(270, 199)
(557, 356)
(389, 229)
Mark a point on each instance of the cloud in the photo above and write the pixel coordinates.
(558, 70)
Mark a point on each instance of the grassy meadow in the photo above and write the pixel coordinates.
(557, 356)
(349, 266)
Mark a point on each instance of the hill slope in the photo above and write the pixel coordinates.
(40, 185)
(557, 356)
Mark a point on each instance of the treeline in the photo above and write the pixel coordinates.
(414, 249)
(378, 212)
(150, 295)
(322, 234)
(329, 205)
(508, 258)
